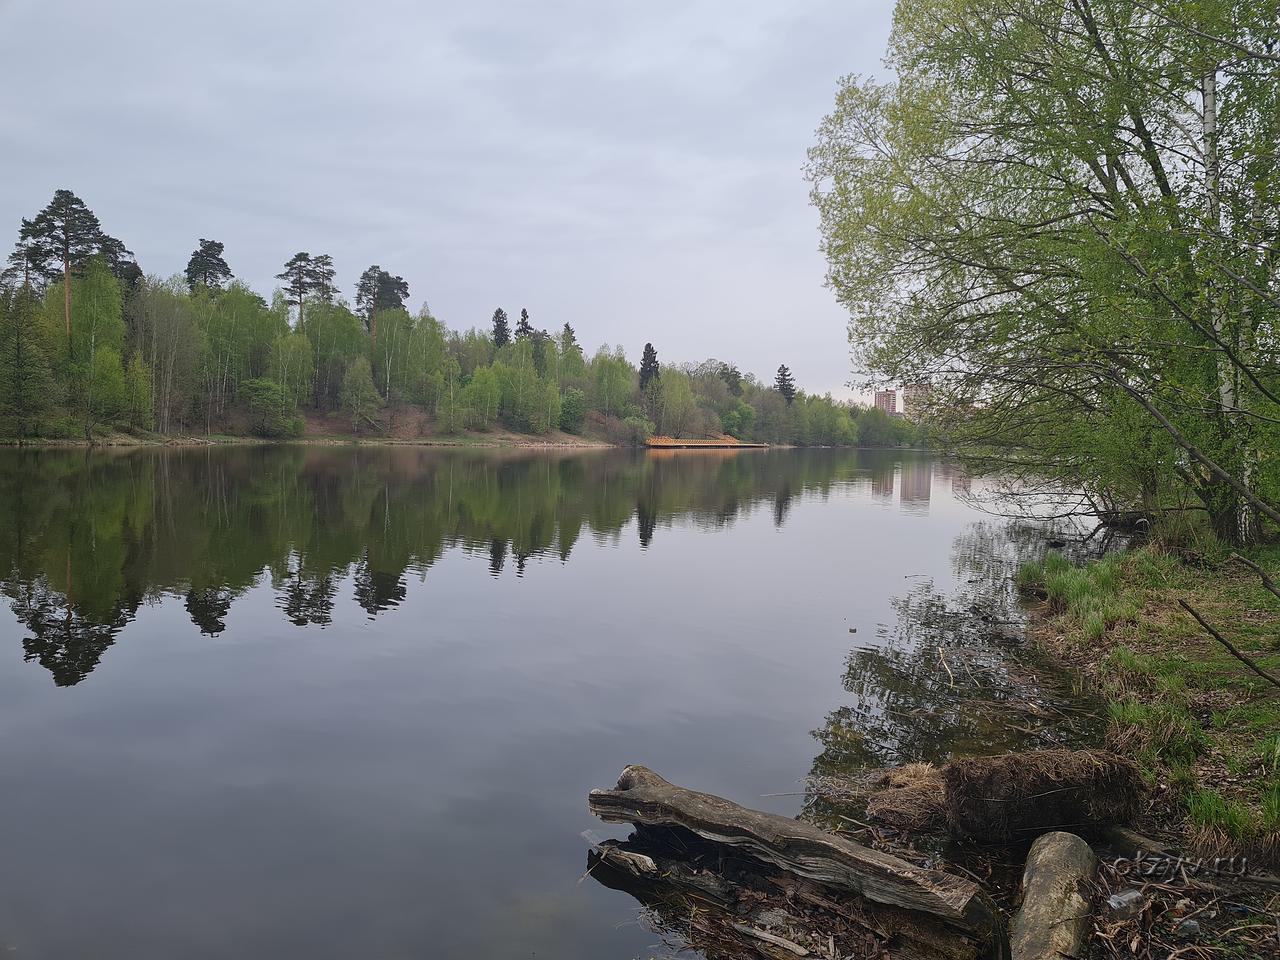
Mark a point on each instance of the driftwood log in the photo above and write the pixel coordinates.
(1054, 921)
(912, 911)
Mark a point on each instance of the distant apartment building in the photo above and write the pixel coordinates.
(915, 401)
(887, 400)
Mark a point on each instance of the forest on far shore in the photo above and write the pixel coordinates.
(89, 345)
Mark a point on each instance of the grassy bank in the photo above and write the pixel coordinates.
(1204, 727)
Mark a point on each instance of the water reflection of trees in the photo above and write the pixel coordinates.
(87, 538)
(951, 676)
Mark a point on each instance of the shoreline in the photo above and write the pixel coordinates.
(1202, 725)
(504, 441)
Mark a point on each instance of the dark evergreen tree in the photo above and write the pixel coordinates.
(378, 290)
(732, 378)
(524, 329)
(568, 339)
(207, 267)
(297, 279)
(784, 384)
(541, 340)
(321, 277)
(61, 237)
(23, 268)
(649, 369)
(130, 276)
(501, 329)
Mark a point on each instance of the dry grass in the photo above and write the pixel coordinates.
(910, 798)
(1020, 795)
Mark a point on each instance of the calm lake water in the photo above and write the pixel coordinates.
(348, 702)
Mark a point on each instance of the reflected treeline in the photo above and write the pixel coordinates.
(952, 676)
(86, 538)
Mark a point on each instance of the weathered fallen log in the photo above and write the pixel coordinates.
(887, 895)
(720, 901)
(1057, 894)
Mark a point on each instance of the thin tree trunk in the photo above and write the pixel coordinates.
(66, 293)
(1243, 523)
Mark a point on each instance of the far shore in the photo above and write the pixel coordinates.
(466, 441)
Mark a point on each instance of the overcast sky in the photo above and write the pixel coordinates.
(631, 168)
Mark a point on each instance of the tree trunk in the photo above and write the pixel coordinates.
(66, 294)
(1236, 523)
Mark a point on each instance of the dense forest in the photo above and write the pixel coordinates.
(90, 345)
(1063, 219)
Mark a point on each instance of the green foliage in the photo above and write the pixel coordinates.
(337, 339)
(613, 379)
(676, 404)
(270, 408)
(359, 397)
(378, 290)
(1209, 809)
(573, 410)
(106, 396)
(206, 266)
(26, 376)
(139, 405)
(1047, 225)
(482, 397)
(290, 366)
(738, 420)
(877, 429)
(65, 235)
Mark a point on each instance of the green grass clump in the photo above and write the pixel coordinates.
(1270, 818)
(1211, 810)
(1157, 733)
(1270, 751)
(1091, 595)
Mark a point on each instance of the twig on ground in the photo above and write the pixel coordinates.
(1275, 681)
(1262, 574)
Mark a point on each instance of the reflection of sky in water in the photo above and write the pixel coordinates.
(406, 774)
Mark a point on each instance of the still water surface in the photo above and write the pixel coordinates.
(339, 702)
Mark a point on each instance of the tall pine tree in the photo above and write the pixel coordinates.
(207, 267)
(378, 290)
(649, 369)
(524, 329)
(501, 329)
(62, 237)
(320, 275)
(297, 277)
(784, 384)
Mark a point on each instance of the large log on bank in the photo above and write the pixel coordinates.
(828, 860)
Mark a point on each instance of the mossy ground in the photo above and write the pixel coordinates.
(1205, 728)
